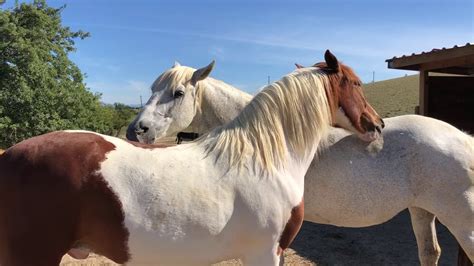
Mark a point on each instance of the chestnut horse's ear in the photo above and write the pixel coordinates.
(202, 73)
(298, 66)
(331, 61)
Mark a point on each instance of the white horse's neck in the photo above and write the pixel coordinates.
(219, 103)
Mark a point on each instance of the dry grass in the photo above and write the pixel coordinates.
(92, 260)
(393, 97)
(291, 258)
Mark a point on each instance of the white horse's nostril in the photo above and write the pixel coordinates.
(142, 127)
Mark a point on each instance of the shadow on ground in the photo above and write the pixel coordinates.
(391, 243)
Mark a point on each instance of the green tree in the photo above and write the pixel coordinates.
(123, 115)
(41, 90)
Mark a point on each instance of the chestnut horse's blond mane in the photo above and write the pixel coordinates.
(289, 115)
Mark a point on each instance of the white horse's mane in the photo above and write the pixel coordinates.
(289, 115)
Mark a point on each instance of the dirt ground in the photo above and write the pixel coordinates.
(391, 243)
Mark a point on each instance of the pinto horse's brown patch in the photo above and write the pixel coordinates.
(53, 199)
(292, 228)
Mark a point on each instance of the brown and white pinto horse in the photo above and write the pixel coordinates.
(237, 192)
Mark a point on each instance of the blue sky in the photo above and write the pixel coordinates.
(132, 42)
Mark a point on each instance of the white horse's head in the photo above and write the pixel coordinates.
(172, 105)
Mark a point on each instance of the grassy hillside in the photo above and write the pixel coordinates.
(393, 97)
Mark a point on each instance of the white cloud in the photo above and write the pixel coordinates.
(375, 41)
(301, 40)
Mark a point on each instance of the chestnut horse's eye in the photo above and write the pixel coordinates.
(178, 94)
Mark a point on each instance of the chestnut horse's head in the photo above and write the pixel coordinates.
(349, 108)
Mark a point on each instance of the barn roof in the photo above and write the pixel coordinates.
(454, 60)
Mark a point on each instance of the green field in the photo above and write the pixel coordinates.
(393, 97)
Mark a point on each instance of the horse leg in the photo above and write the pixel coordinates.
(459, 221)
(101, 225)
(463, 260)
(31, 241)
(423, 224)
(266, 257)
(465, 239)
(35, 229)
(32, 256)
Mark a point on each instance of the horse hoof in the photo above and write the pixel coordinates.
(79, 253)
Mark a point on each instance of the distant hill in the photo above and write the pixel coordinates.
(393, 97)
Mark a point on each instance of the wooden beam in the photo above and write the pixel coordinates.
(467, 61)
(423, 97)
(454, 70)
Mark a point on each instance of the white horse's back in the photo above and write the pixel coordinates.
(418, 154)
(442, 152)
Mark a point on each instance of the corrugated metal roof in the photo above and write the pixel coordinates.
(433, 51)
(454, 60)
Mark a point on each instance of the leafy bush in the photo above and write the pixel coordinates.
(41, 90)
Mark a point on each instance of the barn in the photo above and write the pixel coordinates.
(446, 89)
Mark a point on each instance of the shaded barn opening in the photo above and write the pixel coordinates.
(446, 89)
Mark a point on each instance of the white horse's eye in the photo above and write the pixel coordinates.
(178, 94)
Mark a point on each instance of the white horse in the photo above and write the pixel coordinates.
(423, 164)
(237, 192)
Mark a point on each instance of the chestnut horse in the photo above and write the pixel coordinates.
(235, 193)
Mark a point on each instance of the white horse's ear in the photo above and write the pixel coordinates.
(202, 73)
(176, 64)
(298, 66)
